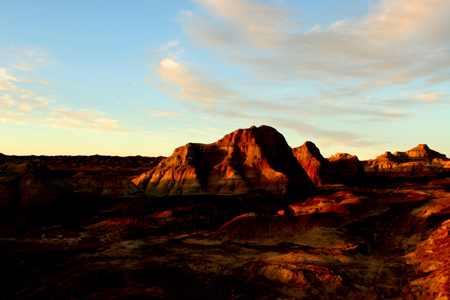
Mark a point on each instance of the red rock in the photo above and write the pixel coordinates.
(423, 151)
(420, 161)
(317, 167)
(346, 168)
(244, 160)
(104, 184)
(29, 183)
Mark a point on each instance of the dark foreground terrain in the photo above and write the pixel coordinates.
(385, 240)
(241, 218)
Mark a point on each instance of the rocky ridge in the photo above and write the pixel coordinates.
(420, 161)
(242, 161)
(312, 161)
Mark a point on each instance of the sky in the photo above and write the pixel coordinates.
(143, 77)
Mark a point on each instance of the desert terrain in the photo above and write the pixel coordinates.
(246, 217)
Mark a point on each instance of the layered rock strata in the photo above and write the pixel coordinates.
(26, 184)
(346, 168)
(420, 161)
(315, 165)
(103, 184)
(244, 160)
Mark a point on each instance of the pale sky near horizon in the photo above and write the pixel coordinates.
(144, 77)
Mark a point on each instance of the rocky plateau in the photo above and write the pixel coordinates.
(246, 217)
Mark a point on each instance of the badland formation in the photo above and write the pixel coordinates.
(246, 217)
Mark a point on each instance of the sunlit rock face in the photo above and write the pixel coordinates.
(423, 151)
(420, 161)
(346, 168)
(244, 160)
(29, 183)
(315, 165)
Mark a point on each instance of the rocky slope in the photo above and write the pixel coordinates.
(346, 168)
(27, 184)
(421, 161)
(342, 243)
(315, 165)
(102, 184)
(242, 161)
(69, 165)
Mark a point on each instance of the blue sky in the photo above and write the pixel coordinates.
(144, 77)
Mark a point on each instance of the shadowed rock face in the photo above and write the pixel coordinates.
(346, 168)
(36, 188)
(27, 184)
(317, 167)
(420, 161)
(128, 166)
(244, 160)
(104, 184)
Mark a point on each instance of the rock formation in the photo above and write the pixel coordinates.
(420, 161)
(244, 160)
(26, 184)
(423, 151)
(346, 168)
(103, 184)
(387, 239)
(69, 165)
(317, 167)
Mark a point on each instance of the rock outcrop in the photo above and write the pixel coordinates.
(70, 165)
(26, 184)
(315, 165)
(242, 161)
(103, 184)
(346, 168)
(420, 161)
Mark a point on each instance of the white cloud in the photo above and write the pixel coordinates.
(328, 69)
(425, 96)
(157, 113)
(83, 118)
(28, 107)
(6, 83)
(26, 59)
(6, 101)
(182, 83)
(397, 42)
(167, 46)
(395, 20)
(262, 25)
(431, 96)
(7, 86)
(24, 103)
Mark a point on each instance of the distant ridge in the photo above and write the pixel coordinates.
(420, 161)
